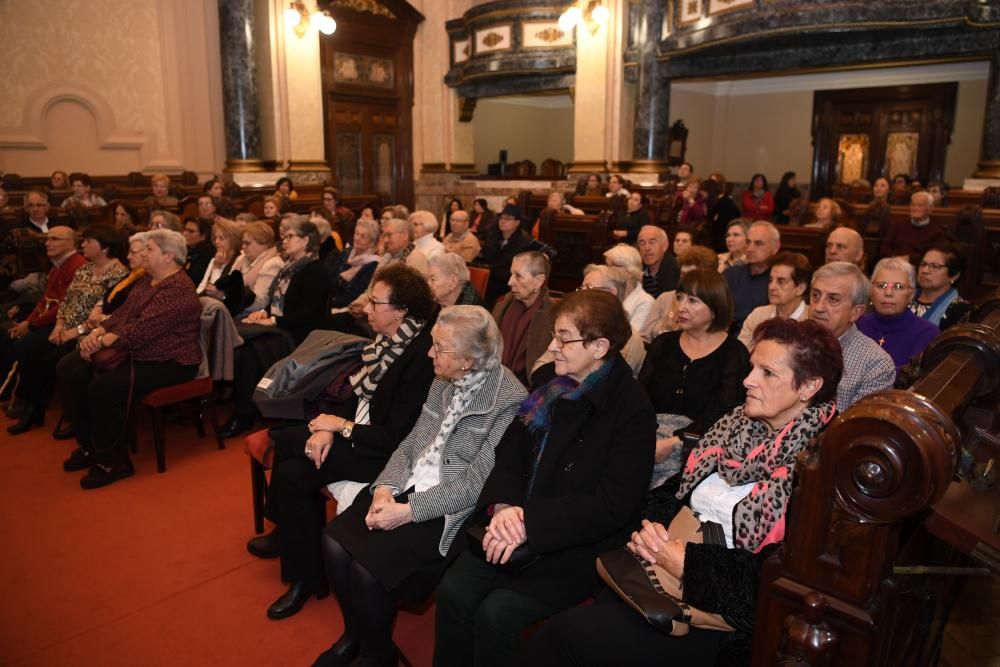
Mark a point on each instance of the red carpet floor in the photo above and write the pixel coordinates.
(151, 570)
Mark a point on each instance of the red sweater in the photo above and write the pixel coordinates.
(762, 212)
(60, 277)
(160, 323)
(904, 238)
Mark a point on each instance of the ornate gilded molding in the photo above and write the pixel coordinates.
(367, 6)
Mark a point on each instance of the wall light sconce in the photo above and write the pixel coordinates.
(300, 19)
(592, 12)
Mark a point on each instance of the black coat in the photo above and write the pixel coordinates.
(498, 256)
(305, 301)
(588, 492)
(198, 259)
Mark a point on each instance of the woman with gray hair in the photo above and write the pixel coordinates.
(165, 220)
(158, 325)
(405, 532)
(448, 277)
(356, 266)
(891, 323)
(637, 301)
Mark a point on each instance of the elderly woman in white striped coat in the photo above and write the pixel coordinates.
(399, 538)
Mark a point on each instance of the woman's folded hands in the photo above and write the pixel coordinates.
(505, 533)
(653, 543)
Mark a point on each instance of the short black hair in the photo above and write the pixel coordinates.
(408, 290)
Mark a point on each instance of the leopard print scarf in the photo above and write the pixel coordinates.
(743, 450)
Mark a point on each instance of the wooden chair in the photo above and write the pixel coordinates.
(479, 276)
(200, 389)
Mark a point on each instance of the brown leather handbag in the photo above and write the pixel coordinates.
(109, 357)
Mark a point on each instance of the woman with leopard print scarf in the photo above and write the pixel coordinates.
(736, 483)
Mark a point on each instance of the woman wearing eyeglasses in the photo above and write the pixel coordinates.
(400, 533)
(937, 299)
(890, 323)
(355, 442)
(568, 484)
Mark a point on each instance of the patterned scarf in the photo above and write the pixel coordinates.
(743, 450)
(536, 410)
(279, 286)
(465, 389)
(380, 354)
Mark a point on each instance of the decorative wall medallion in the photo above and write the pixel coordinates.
(544, 35)
(493, 39)
(690, 11)
(369, 6)
(722, 6)
(363, 70)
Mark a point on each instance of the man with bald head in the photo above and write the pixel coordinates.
(845, 245)
(660, 272)
(748, 282)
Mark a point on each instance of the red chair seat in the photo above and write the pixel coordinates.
(258, 447)
(178, 392)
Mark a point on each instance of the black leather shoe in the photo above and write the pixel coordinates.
(340, 654)
(78, 460)
(236, 426)
(33, 416)
(102, 475)
(297, 594)
(64, 432)
(266, 546)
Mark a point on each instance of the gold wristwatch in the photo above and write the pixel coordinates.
(347, 429)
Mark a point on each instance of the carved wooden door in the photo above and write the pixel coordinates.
(364, 143)
(870, 132)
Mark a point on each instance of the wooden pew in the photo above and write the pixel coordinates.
(579, 240)
(835, 593)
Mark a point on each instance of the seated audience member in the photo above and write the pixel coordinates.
(221, 204)
(398, 242)
(637, 301)
(197, 235)
(159, 325)
(613, 281)
(758, 203)
(296, 305)
(724, 211)
(555, 205)
(736, 244)
(837, 299)
(115, 297)
(36, 204)
(259, 264)
(890, 323)
(659, 268)
(593, 419)
(787, 286)
(939, 192)
(425, 230)
(876, 219)
(593, 186)
(285, 190)
(786, 193)
(357, 265)
(126, 218)
(448, 277)
(748, 282)
(343, 217)
(332, 244)
(616, 187)
(694, 206)
(911, 238)
(683, 240)
(160, 198)
(937, 299)
(845, 245)
(899, 194)
(827, 214)
(663, 313)
(684, 172)
(525, 313)
(227, 240)
(454, 205)
(58, 180)
(636, 217)
(499, 250)
(355, 441)
(795, 368)
(694, 375)
(460, 240)
(165, 220)
(880, 190)
(82, 197)
(272, 210)
(484, 221)
(37, 356)
(403, 532)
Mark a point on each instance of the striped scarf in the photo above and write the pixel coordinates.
(380, 354)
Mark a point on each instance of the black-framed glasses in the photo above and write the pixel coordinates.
(895, 287)
(563, 342)
(375, 302)
(933, 266)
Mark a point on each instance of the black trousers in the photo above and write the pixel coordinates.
(100, 401)
(23, 350)
(37, 366)
(611, 633)
(477, 623)
(294, 501)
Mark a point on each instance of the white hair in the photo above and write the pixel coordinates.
(450, 263)
(625, 257)
(896, 264)
(477, 335)
(862, 286)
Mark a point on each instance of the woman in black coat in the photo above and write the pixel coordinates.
(568, 484)
(356, 439)
(296, 305)
(499, 249)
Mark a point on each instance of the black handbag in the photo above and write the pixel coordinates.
(520, 559)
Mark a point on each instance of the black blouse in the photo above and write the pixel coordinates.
(703, 389)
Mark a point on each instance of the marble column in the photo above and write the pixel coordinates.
(989, 156)
(239, 86)
(652, 104)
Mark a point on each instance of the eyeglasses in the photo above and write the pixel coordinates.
(895, 287)
(440, 350)
(291, 236)
(375, 302)
(933, 266)
(563, 342)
